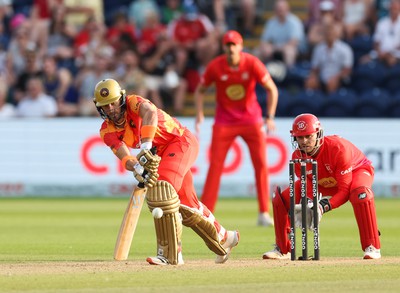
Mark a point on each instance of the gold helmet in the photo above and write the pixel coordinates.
(107, 91)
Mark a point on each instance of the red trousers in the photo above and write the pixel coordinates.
(222, 139)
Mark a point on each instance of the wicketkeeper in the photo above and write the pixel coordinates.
(344, 174)
(131, 121)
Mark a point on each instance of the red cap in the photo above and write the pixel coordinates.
(232, 37)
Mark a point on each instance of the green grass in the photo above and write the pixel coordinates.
(67, 244)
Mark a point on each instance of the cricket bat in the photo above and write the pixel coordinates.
(130, 220)
(129, 223)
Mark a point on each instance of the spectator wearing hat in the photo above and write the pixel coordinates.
(316, 6)
(331, 62)
(327, 14)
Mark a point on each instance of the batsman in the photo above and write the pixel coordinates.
(345, 174)
(131, 121)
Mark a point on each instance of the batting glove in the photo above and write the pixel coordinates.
(149, 179)
(149, 161)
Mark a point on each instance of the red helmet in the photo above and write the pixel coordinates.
(305, 124)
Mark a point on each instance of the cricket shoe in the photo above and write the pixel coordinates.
(228, 243)
(372, 253)
(276, 254)
(163, 261)
(264, 219)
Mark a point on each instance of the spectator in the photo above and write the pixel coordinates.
(196, 41)
(16, 50)
(36, 103)
(162, 79)
(60, 39)
(87, 78)
(130, 75)
(7, 110)
(314, 10)
(282, 37)
(356, 16)
(331, 63)
(386, 38)
(139, 9)
(121, 29)
(32, 68)
(58, 83)
(170, 11)
(234, 75)
(6, 13)
(150, 32)
(315, 33)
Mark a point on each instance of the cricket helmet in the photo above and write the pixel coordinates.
(307, 124)
(107, 91)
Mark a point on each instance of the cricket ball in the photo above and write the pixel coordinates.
(157, 213)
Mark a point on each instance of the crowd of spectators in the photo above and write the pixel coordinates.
(53, 52)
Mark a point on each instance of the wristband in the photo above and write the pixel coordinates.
(148, 131)
(269, 116)
(126, 159)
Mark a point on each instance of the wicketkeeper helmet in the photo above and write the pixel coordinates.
(307, 124)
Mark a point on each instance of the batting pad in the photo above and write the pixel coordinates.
(169, 226)
(206, 230)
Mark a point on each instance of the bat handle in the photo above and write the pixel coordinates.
(153, 150)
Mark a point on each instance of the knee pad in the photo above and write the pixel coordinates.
(169, 226)
(362, 200)
(205, 229)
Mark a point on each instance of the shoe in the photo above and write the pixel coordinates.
(264, 219)
(276, 254)
(372, 253)
(231, 240)
(163, 261)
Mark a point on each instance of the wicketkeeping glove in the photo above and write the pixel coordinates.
(297, 214)
(324, 205)
(149, 179)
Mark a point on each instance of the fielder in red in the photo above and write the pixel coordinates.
(238, 113)
(131, 121)
(344, 174)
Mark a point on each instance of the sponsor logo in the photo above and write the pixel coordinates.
(362, 195)
(346, 171)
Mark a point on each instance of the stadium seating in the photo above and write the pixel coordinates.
(394, 106)
(339, 104)
(368, 76)
(306, 101)
(374, 103)
(392, 78)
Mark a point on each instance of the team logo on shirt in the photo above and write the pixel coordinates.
(104, 92)
(328, 168)
(245, 75)
(224, 77)
(235, 92)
